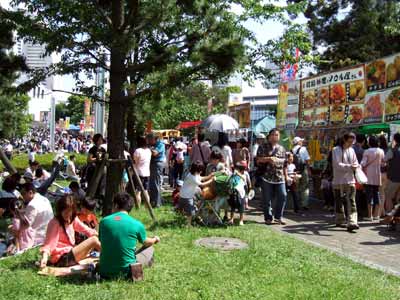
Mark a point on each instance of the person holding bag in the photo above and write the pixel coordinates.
(371, 163)
(345, 163)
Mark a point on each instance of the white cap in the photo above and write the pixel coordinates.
(297, 139)
(260, 136)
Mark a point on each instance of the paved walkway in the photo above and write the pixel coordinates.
(372, 245)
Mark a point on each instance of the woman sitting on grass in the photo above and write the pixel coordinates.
(60, 237)
(191, 185)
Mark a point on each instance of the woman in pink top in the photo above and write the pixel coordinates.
(371, 163)
(59, 244)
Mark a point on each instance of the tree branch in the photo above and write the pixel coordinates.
(94, 97)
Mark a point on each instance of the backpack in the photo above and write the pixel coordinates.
(299, 161)
(225, 184)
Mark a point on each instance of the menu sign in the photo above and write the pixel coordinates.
(392, 105)
(383, 73)
(374, 107)
(331, 97)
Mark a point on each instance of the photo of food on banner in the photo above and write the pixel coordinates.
(374, 107)
(393, 71)
(321, 116)
(356, 91)
(323, 96)
(392, 105)
(376, 75)
(309, 99)
(307, 117)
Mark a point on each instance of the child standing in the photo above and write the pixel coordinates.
(238, 198)
(191, 185)
(292, 177)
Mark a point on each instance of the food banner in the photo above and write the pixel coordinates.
(292, 108)
(383, 73)
(327, 99)
(374, 107)
(392, 105)
(282, 105)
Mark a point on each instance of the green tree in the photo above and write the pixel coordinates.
(14, 119)
(349, 32)
(61, 111)
(74, 108)
(184, 104)
(146, 46)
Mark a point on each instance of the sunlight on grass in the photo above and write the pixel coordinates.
(274, 266)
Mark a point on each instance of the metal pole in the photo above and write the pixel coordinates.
(52, 123)
(99, 106)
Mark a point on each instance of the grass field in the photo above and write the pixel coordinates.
(20, 161)
(275, 266)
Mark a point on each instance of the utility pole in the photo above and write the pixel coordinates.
(52, 123)
(99, 106)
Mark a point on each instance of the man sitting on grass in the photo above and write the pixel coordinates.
(119, 234)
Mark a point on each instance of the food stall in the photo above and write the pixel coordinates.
(364, 98)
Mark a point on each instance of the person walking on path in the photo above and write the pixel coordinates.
(392, 159)
(344, 163)
(271, 158)
(371, 163)
(302, 161)
(156, 169)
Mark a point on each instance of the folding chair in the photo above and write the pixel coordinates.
(207, 213)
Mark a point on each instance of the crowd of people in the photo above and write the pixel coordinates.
(359, 170)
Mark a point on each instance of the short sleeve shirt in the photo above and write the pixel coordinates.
(142, 157)
(303, 152)
(119, 234)
(190, 185)
(160, 148)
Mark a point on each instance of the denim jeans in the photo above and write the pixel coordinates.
(372, 192)
(156, 181)
(273, 191)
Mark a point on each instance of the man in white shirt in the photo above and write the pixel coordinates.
(35, 217)
(259, 140)
(302, 158)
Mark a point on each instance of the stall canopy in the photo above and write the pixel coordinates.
(188, 124)
(74, 127)
(376, 128)
(265, 124)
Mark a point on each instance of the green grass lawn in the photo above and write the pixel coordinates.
(275, 266)
(20, 161)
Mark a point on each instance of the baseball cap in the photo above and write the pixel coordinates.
(297, 139)
(260, 136)
(179, 182)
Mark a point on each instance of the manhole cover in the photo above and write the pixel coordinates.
(221, 243)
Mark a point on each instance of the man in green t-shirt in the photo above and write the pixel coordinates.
(119, 234)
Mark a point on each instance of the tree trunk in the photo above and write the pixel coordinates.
(131, 121)
(117, 112)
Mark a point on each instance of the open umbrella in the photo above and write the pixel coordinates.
(265, 124)
(220, 123)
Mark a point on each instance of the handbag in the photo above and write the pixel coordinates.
(360, 176)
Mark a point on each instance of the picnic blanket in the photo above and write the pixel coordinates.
(81, 268)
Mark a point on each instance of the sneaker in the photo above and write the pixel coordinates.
(352, 227)
(268, 222)
(241, 223)
(376, 218)
(370, 219)
(280, 222)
